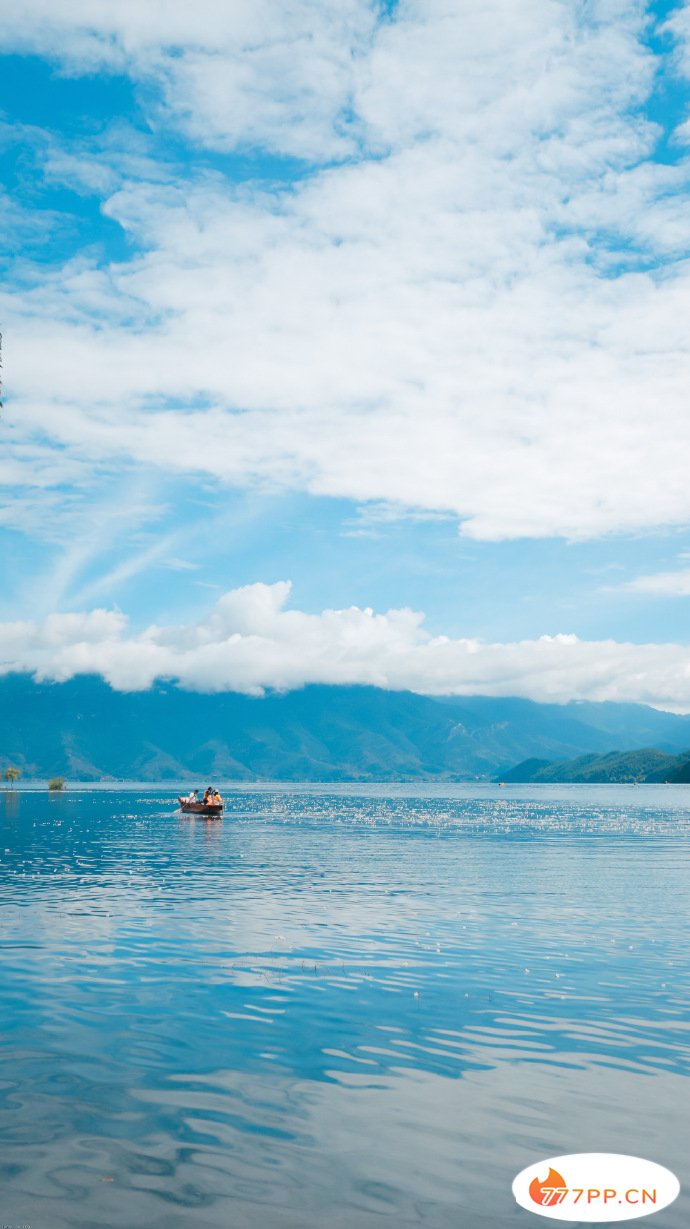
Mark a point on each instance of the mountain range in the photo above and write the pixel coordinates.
(647, 764)
(84, 730)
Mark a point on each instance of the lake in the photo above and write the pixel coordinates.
(350, 1007)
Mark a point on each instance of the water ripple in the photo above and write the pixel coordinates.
(343, 1007)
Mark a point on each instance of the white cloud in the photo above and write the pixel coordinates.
(678, 24)
(443, 324)
(250, 641)
(664, 584)
(253, 71)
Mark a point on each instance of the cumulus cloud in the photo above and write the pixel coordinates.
(251, 641)
(478, 311)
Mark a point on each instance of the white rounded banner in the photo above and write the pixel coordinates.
(595, 1187)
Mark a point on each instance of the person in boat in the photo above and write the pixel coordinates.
(193, 796)
(211, 797)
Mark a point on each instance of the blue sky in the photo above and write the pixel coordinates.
(388, 302)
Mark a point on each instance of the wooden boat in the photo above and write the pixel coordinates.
(200, 808)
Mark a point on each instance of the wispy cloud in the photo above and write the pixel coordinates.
(663, 584)
(153, 555)
(85, 534)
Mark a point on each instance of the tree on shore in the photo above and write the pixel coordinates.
(12, 775)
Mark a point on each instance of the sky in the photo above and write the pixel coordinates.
(347, 343)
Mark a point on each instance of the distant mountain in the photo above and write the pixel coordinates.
(84, 730)
(648, 765)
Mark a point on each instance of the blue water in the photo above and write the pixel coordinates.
(344, 1007)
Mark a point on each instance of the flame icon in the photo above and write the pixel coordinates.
(551, 1191)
